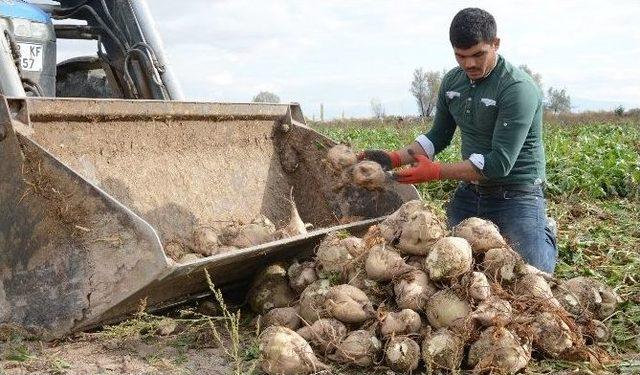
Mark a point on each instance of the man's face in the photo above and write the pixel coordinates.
(477, 61)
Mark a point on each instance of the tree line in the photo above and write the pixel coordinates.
(426, 85)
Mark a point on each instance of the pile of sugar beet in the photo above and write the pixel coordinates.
(411, 296)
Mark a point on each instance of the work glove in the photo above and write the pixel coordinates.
(423, 170)
(387, 159)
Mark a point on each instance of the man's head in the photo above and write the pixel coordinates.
(473, 37)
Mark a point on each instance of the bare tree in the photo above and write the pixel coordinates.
(424, 88)
(434, 80)
(537, 77)
(419, 89)
(377, 108)
(558, 101)
(266, 97)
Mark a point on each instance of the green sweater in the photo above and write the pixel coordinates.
(500, 120)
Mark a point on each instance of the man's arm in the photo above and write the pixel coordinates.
(462, 171)
(427, 170)
(515, 115)
(436, 140)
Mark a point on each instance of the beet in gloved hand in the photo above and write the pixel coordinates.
(387, 159)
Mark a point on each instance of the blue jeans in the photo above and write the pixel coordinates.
(519, 212)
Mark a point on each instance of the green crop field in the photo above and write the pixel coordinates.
(593, 191)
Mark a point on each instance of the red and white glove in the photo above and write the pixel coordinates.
(422, 171)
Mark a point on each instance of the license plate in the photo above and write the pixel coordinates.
(31, 56)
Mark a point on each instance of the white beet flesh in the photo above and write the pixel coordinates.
(442, 350)
(402, 354)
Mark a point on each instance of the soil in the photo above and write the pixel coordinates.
(92, 354)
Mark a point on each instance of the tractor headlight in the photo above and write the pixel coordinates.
(29, 29)
(39, 30)
(21, 27)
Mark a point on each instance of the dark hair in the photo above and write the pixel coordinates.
(472, 26)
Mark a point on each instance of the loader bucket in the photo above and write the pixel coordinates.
(93, 191)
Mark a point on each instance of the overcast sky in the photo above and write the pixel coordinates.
(343, 53)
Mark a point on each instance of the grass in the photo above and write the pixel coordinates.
(242, 354)
(228, 330)
(19, 353)
(593, 190)
(58, 366)
(596, 162)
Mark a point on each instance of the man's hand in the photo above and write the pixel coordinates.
(423, 171)
(388, 160)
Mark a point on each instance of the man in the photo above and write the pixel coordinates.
(498, 109)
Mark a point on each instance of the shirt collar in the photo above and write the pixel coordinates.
(498, 57)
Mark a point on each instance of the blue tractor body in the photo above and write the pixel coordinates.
(23, 10)
(30, 36)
